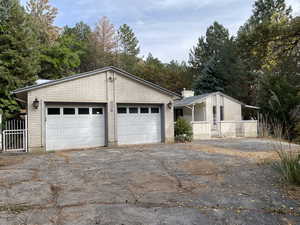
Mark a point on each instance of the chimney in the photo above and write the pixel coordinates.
(187, 93)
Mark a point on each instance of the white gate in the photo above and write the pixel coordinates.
(15, 135)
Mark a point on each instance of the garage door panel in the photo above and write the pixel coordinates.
(75, 131)
(139, 128)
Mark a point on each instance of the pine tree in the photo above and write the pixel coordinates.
(19, 61)
(128, 41)
(128, 49)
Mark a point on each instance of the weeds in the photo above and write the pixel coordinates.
(289, 166)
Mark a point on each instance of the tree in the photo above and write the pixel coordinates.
(43, 15)
(102, 45)
(60, 59)
(128, 41)
(81, 33)
(208, 81)
(269, 47)
(105, 35)
(264, 10)
(128, 48)
(19, 61)
(217, 65)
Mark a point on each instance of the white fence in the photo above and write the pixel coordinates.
(14, 135)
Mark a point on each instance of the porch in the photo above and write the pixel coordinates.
(215, 115)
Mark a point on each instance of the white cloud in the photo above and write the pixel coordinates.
(295, 5)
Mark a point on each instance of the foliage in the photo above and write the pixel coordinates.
(80, 34)
(128, 41)
(183, 130)
(289, 166)
(19, 61)
(60, 59)
(128, 49)
(217, 65)
(43, 16)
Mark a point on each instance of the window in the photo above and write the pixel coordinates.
(122, 110)
(53, 111)
(215, 115)
(155, 110)
(221, 113)
(69, 111)
(96, 111)
(144, 110)
(133, 110)
(83, 111)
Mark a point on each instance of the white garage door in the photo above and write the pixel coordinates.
(139, 124)
(70, 127)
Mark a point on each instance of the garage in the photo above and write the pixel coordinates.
(74, 126)
(104, 107)
(139, 124)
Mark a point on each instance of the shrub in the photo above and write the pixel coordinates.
(289, 166)
(183, 130)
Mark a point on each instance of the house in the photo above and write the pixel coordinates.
(104, 107)
(215, 115)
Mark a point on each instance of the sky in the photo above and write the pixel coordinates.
(166, 28)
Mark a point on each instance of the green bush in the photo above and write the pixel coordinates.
(289, 166)
(183, 130)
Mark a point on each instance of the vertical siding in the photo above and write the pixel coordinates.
(232, 110)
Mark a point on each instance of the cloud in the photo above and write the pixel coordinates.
(166, 28)
(295, 5)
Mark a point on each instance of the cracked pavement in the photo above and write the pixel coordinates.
(219, 182)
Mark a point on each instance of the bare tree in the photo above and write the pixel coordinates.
(105, 35)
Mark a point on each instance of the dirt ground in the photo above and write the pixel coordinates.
(218, 182)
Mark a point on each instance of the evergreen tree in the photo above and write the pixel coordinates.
(81, 33)
(217, 65)
(209, 80)
(19, 61)
(62, 58)
(128, 49)
(128, 41)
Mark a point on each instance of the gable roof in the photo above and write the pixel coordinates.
(94, 72)
(198, 98)
(190, 100)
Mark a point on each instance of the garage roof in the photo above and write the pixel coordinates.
(105, 69)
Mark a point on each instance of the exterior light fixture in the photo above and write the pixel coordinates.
(36, 103)
(170, 104)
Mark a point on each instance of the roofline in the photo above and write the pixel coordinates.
(252, 107)
(90, 73)
(220, 93)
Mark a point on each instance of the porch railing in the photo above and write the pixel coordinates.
(206, 129)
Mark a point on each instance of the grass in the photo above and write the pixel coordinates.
(289, 166)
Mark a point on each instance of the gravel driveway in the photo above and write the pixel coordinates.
(219, 182)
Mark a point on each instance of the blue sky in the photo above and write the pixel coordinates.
(166, 28)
